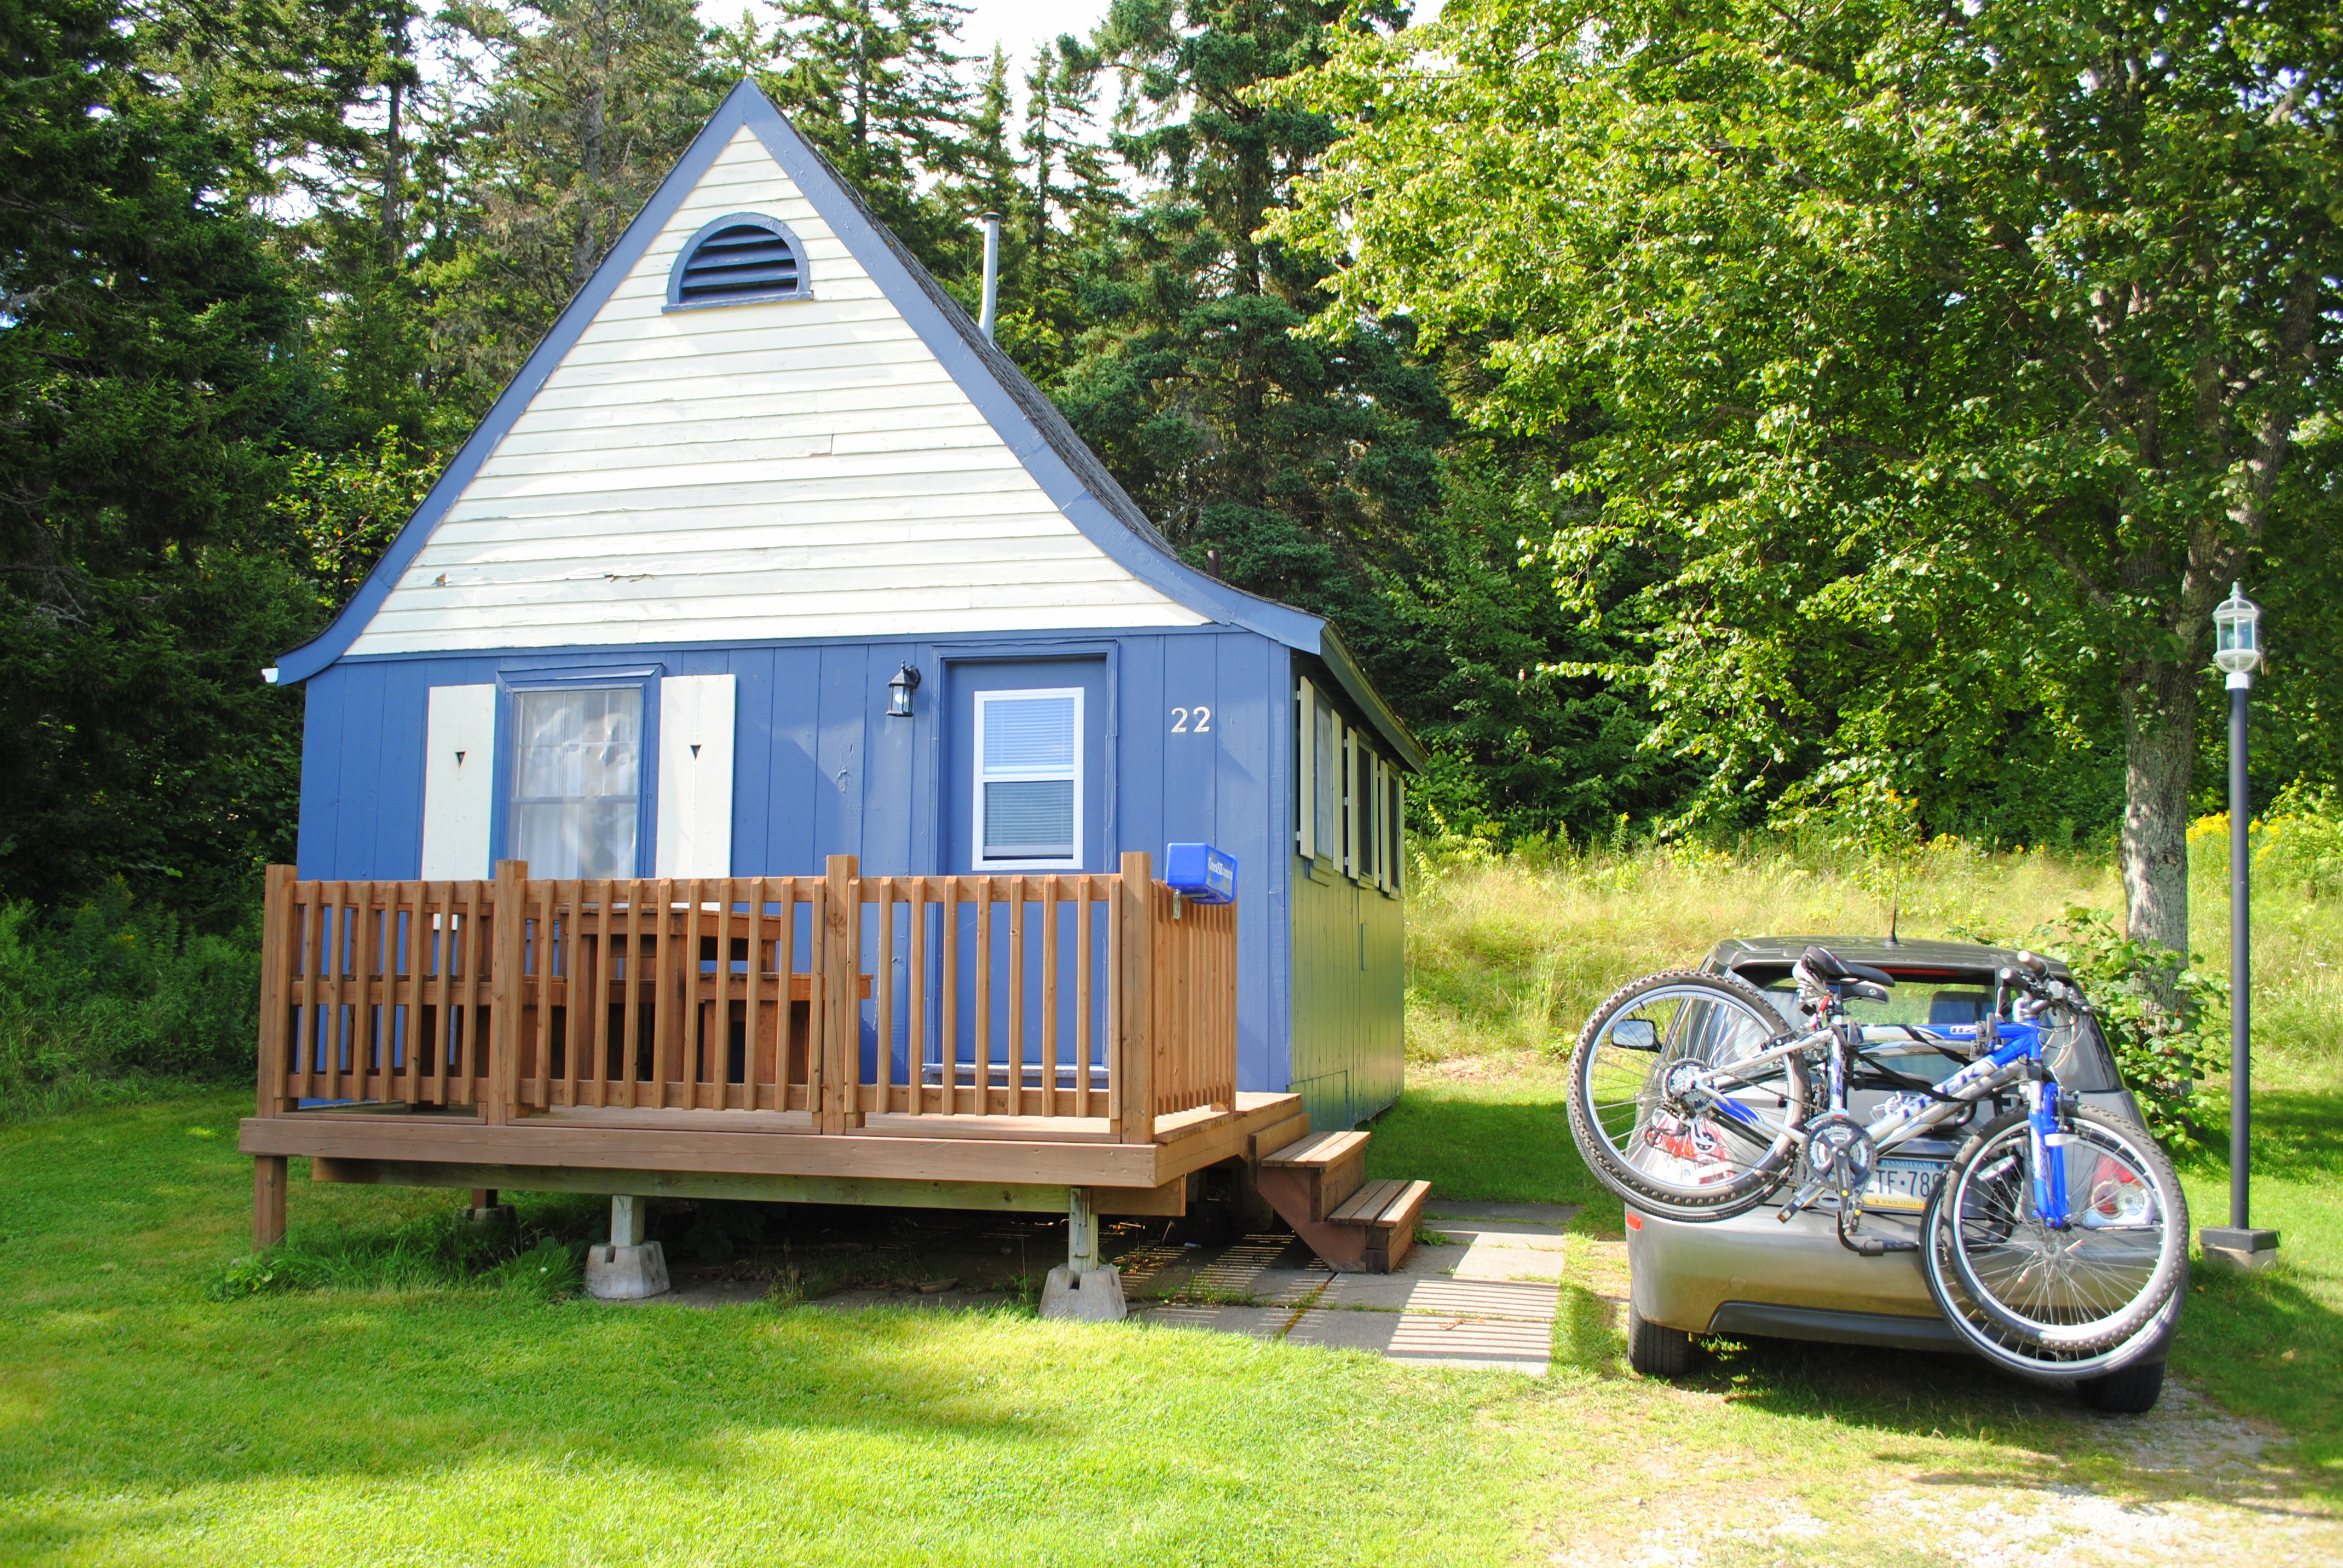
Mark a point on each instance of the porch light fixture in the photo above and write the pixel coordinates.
(2238, 649)
(899, 689)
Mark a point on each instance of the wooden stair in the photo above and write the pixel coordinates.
(1319, 1184)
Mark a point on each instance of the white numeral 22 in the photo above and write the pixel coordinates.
(1203, 721)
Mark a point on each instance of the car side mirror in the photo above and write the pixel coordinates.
(1635, 1034)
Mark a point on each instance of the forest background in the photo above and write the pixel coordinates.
(1703, 420)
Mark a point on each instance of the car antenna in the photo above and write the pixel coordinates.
(1894, 912)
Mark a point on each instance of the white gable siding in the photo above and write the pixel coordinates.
(799, 468)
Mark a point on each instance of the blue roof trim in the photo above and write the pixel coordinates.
(1061, 462)
(1352, 679)
(801, 290)
(330, 644)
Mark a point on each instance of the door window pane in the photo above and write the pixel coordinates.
(1029, 776)
(578, 781)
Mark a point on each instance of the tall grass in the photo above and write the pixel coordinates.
(113, 1001)
(1510, 950)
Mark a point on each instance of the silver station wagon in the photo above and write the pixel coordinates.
(1758, 1276)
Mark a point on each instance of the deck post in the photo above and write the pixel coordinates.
(511, 934)
(1083, 1291)
(1134, 1053)
(841, 1032)
(277, 947)
(1082, 1233)
(628, 1220)
(268, 1201)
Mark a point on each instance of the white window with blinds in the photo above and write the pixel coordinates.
(1029, 779)
(577, 780)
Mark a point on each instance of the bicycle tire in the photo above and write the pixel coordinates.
(2038, 1299)
(1716, 1198)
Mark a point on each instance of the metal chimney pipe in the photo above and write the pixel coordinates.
(991, 273)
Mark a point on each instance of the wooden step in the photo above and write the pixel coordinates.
(1318, 1184)
(1388, 1211)
(1317, 1172)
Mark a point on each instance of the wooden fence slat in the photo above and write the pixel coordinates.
(948, 1029)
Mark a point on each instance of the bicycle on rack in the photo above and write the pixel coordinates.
(2055, 1240)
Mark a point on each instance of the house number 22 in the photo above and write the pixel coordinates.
(1202, 715)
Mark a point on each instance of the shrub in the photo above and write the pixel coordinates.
(112, 994)
(2166, 1022)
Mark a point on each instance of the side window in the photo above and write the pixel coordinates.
(577, 780)
(1029, 784)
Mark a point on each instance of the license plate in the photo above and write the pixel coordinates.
(1902, 1183)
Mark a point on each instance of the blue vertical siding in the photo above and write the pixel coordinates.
(822, 771)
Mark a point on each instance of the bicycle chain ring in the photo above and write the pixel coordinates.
(1834, 1136)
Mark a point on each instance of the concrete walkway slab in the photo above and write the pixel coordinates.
(1532, 1303)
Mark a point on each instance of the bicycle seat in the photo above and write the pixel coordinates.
(1831, 969)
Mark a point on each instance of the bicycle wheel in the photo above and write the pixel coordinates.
(2050, 1298)
(1642, 1118)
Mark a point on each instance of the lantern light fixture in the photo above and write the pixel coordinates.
(2237, 636)
(899, 689)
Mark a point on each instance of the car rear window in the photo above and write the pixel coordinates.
(1938, 996)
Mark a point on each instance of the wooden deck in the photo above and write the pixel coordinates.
(963, 1042)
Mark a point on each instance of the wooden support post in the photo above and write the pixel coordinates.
(268, 1201)
(841, 1001)
(1081, 1233)
(629, 1220)
(505, 987)
(280, 948)
(484, 1196)
(1134, 1051)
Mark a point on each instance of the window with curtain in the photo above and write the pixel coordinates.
(1029, 781)
(577, 770)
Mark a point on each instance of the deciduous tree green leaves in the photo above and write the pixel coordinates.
(1954, 359)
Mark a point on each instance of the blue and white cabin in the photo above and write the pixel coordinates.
(763, 487)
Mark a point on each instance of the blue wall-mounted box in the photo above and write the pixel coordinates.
(1200, 873)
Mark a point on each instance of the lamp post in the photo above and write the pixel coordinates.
(2238, 649)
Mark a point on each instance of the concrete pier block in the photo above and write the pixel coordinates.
(1093, 1296)
(616, 1273)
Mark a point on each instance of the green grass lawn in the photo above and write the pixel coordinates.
(142, 1420)
(392, 1408)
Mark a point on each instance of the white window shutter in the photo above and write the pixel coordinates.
(459, 781)
(695, 777)
(1306, 748)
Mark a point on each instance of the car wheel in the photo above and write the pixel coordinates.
(1658, 1352)
(2131, 1392)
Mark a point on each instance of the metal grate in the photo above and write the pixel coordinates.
(736, 262)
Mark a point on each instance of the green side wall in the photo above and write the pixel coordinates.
(1349, 986)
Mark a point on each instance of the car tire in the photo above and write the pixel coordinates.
(1656, 1351)
(2133, 1391)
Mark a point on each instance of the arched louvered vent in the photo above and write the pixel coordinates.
(739, 261)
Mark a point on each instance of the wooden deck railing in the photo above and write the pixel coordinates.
(840, 995)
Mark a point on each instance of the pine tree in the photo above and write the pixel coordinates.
(1299, 460)
(572, 111)
(876, 85)
(152, 380)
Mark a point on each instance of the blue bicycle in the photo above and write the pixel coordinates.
(2055, 1240)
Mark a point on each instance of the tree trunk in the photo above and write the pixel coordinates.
(586, 246)
(2159, 714)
